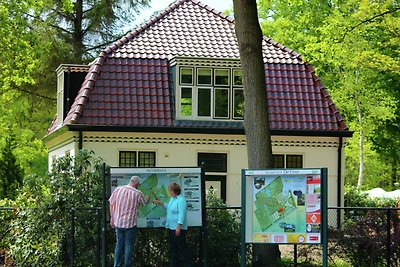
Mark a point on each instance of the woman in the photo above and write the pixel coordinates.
(176, 225)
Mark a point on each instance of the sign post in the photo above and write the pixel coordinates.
(284, 206)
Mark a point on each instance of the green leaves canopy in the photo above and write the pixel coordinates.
(353, 45)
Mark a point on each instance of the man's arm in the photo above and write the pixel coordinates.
(111, 215)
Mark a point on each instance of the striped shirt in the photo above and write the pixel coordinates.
(125, 202)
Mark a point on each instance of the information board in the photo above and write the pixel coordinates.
(154, 182)
(283, 206)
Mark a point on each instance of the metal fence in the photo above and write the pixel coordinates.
(357, 236)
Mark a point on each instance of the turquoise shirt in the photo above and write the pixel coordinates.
(176, 213)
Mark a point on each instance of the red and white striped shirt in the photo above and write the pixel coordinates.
(125, 202)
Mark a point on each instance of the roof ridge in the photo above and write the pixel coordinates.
(282, 47)
(326, 96)
(213, 10)
(90, 79)
(94, 71)
(141, 28)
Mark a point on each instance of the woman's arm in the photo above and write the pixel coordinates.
(158, 202)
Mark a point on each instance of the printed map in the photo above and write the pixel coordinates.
(272, 203)
(152, 187)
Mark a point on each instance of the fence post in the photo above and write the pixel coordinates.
(72, 256)
(388, 251)
(104, 245)
(98, 256)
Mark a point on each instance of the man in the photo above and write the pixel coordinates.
(125, 202)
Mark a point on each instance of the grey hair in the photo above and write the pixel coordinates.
(135, 179)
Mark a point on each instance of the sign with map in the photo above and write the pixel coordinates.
(283, 206)
(154, 182)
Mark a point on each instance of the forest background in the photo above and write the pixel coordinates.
(353, 45)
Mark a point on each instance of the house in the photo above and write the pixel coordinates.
(170, 94)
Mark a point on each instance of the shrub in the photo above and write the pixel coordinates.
(223, 239)
(223, 229)
(356, 198)
(364, 234)
(42, 225)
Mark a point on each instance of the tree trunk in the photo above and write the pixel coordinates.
(256, 122)
(361, 167)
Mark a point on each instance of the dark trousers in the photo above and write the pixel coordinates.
(178, 249)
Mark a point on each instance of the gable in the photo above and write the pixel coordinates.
(131, 84)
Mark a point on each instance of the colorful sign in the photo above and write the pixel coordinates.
(283, 206)
(154, 182)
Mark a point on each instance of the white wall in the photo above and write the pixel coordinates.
(61, 151)
(181, 150)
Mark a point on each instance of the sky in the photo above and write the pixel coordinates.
(159, 5)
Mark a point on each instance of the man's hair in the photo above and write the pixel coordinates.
(135, 179)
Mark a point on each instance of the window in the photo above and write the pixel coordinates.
(215, 168)
(294, 161)
(212, 162)
(137, 159)
(210, 93)
(187, 76)
(186, 101)
(60, 97)
(287, 161)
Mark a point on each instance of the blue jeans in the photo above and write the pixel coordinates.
(124, 248)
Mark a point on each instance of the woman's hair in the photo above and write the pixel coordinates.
(176, 188)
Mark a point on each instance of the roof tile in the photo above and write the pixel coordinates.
(129, 83)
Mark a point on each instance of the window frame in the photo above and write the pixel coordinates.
(196, 89)
(181, 72)
(137, 154)
(285, 160)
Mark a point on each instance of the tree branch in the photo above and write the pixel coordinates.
(367, 21)
(35, 94)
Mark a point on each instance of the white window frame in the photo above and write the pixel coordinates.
(60, 97)
(195, 90)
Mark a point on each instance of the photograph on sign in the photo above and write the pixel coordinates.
(154, 182)
(285, 205)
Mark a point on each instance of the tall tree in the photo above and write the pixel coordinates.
(35, 38)
(89, 25)
(353, 46)
(256, 121)
(10, 172)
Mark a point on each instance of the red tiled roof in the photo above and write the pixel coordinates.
(129, 83)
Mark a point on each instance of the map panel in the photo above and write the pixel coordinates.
(154, 182)
(283, 206)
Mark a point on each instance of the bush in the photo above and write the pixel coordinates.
(363, 236)
(42, 226)
(223, 228)
(356, 198)
(363, 239)
(223, 239)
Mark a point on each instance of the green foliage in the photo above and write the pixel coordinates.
(376, 169)
(353, 45)
(223, 231)
(6, 217)
(11, 174)
(363, 238)
(41, 228)
(356, 198)
(223, 239)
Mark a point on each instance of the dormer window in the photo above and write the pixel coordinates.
(69, 81)
(209, 92)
